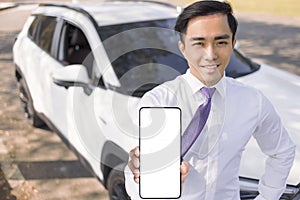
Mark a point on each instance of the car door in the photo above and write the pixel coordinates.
(98, 115)
(53, 96)
(82, 128)
(90, 110)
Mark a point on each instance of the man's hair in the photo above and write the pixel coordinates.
(205, 8)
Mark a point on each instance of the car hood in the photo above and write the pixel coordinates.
(283, 90)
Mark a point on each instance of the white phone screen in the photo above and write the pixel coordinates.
(160, 152)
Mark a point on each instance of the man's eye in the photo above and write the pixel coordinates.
(222, 43)
(198, 44)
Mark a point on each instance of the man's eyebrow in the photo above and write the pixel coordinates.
(225, 36)
(197, 38)
(220, 37)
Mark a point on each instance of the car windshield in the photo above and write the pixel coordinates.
(145, 54)
(239, 65)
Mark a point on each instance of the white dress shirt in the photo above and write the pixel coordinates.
(237, 113)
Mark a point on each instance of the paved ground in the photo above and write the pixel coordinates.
(272, 40)
(36, 165)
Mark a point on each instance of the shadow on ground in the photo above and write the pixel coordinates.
(274, 44)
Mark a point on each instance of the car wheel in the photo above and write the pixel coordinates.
(116, 184)
(26, 100)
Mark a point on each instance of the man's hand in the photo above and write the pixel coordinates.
(184, 170)
(134, 165)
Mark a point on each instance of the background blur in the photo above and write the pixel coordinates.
(278, 7)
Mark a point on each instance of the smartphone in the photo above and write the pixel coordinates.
(160, 152)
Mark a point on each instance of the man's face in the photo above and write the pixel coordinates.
(208, 47)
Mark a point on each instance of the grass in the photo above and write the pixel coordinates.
(276, 7)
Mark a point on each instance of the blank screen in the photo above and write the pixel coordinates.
(160, 152)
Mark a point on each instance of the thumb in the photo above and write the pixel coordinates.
(184, 168)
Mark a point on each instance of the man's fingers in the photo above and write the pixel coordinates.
(135, 171)
(134, 156)
(137, 179)
(135, 152)
(131, 167)
(184, 170)
(134, 164)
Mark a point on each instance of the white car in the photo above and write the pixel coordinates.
(83, 67)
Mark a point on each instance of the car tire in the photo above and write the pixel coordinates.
(116, 184)
(27, 102)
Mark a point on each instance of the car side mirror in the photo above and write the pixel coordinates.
(71, 75)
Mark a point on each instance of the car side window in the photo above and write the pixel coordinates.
(47, 29)
(42, 30)
(33, 29)
(75, 49)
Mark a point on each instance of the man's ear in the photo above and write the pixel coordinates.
(181, 47)
(233, 43)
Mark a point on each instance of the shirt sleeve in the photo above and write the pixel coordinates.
(274, 141)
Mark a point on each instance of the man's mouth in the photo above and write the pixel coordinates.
(210, 66)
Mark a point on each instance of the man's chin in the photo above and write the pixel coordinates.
(211, 82)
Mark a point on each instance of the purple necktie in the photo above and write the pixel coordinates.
(198, 121)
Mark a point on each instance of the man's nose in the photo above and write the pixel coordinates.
(211, 53)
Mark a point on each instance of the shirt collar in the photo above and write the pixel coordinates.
(196, 84)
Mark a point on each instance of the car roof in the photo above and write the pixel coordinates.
(120, 12)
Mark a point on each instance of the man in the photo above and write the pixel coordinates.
(210, 169)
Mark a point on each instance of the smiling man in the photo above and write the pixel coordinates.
(210, 167)
(208, 49)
